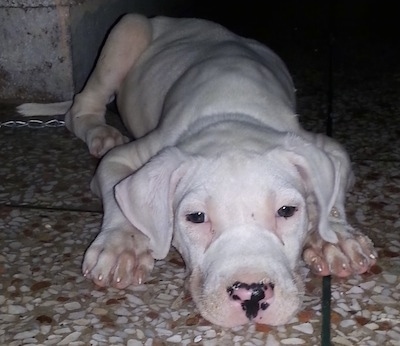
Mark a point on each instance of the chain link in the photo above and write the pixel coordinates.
(33, 123)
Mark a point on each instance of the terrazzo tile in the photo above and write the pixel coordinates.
(45, 299)
(367, 106)
(39, 163)
(365, 86)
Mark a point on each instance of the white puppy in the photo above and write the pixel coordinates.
(220, 169)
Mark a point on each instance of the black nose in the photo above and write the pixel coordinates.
(258, 292)
(251, 296)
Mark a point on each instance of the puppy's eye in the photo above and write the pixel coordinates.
(286, 211)
(197, 217)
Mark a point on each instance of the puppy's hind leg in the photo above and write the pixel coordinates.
(125, 43)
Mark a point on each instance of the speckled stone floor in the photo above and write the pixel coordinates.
(48, 216)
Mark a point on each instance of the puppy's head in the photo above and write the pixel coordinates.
(238, 220)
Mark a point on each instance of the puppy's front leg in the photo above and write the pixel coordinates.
(120, 255)
(354, 252)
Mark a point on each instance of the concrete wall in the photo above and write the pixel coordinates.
(48, 47)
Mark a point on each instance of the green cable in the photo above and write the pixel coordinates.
(326, 311)
(326, 280)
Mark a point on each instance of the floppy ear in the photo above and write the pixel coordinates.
(145, 198)
(321, 174)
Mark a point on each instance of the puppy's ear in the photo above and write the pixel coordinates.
(145, 198)
(321, 175)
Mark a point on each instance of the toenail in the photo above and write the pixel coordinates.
(335, 213)
(118, 280)
(100, 277)
(372, 256)
(318, 267)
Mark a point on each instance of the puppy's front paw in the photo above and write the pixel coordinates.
(354, 252)
(103, 138)
(118, 259)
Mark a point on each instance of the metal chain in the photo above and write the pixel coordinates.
(33, 123)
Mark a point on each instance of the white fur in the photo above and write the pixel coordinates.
(44, 109)
(214, 114)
